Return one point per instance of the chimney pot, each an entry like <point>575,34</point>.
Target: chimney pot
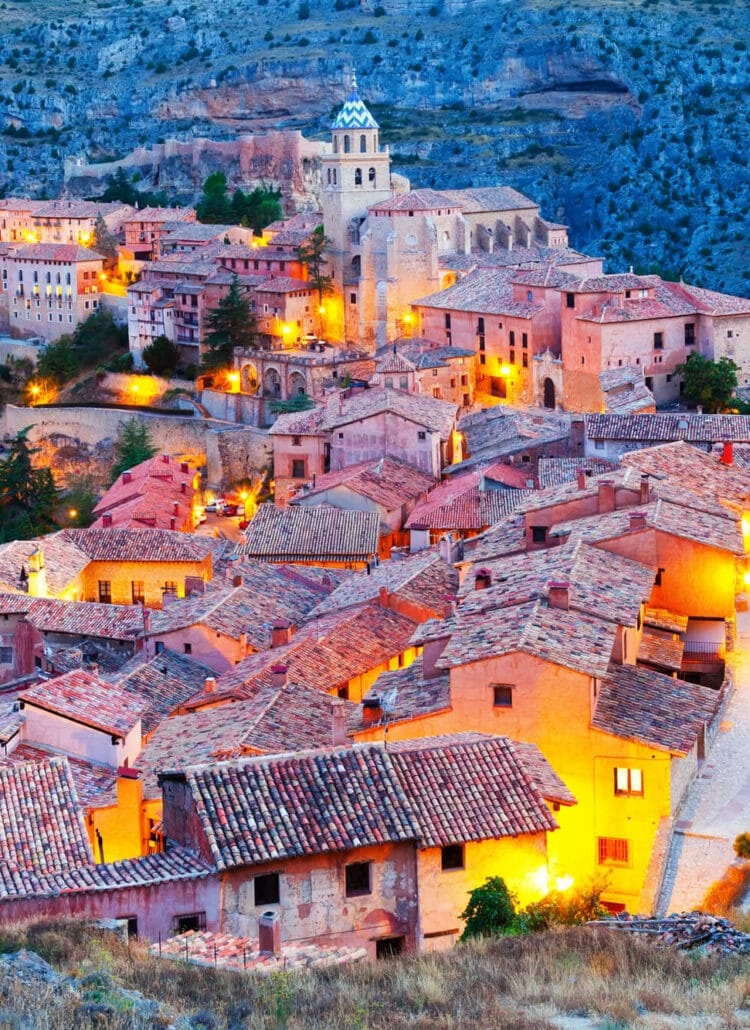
<point>637,519</point>
<point>183,487</point>
<point>269,934</point>
<point>165,458</point>
<point>278,675</point>
<point>581,477</point>
<point>645,490</point>
<point>558,595</point>
<point>184,466</point>
<point>338,723</point>
<point>606,496</point>
<point>209,685</point>
<point>372,711</point>
<point>127,476</point>
<point>172,522</point>
<point>727,454</point>
<point>175,506</point>
<point>146,620</point>
<point>237,580</point>
<point>383,597</point>
<point>107,520</point>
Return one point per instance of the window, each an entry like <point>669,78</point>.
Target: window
<point>389,382</point>
<point>447,320</point>
<point>480,326</point>
<point>358,879</point>
<point>502,695</point>
<point>189,921</point>
<point>525,360</point>
<point>629,783</point>
<point>137,591</point>
<point>689,334</point>
<point>187,648</point>
<point>452,857</point>
<point>524,339</point>
<point>132,922</point>
<point>363,144</point>
<point>538,534</point>
<point>613,851</point>
<point>170,587</point>
<point>6,655</point>
<point>267,889</point>
<point>512,338</point>
<point>296,441</point>
<point>659,577</point>
<point>403,383</point>
<point>658,341</point>
<point>482,359</point>
<point>529,295</point>
<point>298,468</point>
<point>570,300</point>
<point>352,298</point>
<point>105,591</point>
<point>389,947</point>
<point>371,176</point>
<point>512,357</point>
<point>159,646</point>
<point>357,176</point>
<point>422,435</point>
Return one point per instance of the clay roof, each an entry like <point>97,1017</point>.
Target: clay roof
<point>659,711</point>
<point>485,290</point>
<point>489,198</point>
<point>662,618</point>
<point>572,639</point>
<point>417,200</point>
<point>435,415</point>
<point>61,207</point>
<point>668,427</point>
<point>318,533</point>
<point>86,618</point>
<point>459,504</point>
<point>544,777</point>
<point>138,545</point>
<point>95,784</point>
<point>162,214</point>
<point>271,719</point>
<point>662,649</point>
<point>423,578</point>
<point>405,694</point>
<point>63,561</point>
<point>388,483</point>
<point>436,791</point>
<point>600,583</point>
<point>163,684</point>
<point>82,697</point>
<point>41,825</point>
<point>469,787</point>
<point>505,537</point>
<point>395,363</point>
<point>679,465</point>
<point>162,473</point>
<point>67,252</point>
<point>299,423</point>
<point>556,471</point>
<point>284,284</point>
<point>325,653</point>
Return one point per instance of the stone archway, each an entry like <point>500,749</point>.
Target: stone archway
<point>297,384</point>
<point>549,394</point>
<point>272,383</point>
<point>249,379</point>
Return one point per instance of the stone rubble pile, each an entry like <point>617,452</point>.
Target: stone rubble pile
<point>686,931</point>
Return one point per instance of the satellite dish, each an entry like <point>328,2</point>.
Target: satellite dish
<point>388,701</point>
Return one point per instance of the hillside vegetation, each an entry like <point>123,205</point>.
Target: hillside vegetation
<point>629,120</point>
<point>575,978</point>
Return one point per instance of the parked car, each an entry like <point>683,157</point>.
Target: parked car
<point>215,507</point>
<point>229,509</point>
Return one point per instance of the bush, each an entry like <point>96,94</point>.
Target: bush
<point>742,845</point>
<point>161,356</point>
<point>491,910</point>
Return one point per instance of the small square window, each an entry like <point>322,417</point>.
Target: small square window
<point>452,857</point>
<point>629,783</point>
<point>422,435</point>
<point>538,534</point>
<point>502,695</point>
<point>159,646</point>
<point>267,889</point>
<point>358,879</point>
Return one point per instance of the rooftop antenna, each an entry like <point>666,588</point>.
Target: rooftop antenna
<point>388,704</point>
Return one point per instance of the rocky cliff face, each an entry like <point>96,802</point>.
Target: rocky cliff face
<point>629,122</point>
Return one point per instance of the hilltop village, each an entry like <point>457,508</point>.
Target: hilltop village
<point>490,621</point>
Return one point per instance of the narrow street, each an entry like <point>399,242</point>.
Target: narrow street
<point>717,804</point>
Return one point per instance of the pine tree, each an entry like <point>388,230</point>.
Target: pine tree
<point>215,207</point>
<point>311,254</point>
<point>231,325</point>
<point>28,495</point>
<point>133,446</point>
<point>104,242</point>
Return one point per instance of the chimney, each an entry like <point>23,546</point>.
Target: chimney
<point>281,633</point>
<point>698,409</point>
<point>184,466</point>
<point>146,620</point>
<point>581,478</point>
<point>278,675</point>
<point>168,597</point>
<point>175,506</point>
<point>637,520</point>
<point>129,796</point>
<point>183,487</point>
<point>558,595</point>
<point>165,458</point>
<point>127,476</point>
<point>209,685</point>
<point>606,497</point>
<point>372,711</point>
<point>727,454</point>
<point>430,654</point>
<point>645,490</point>
<point>383,597</point>
<point>194,585</point>
<point>338,723</point>
<point>269,934</point>
<point>237,580</point>
<point>172,522</point>
<point>107,520</point>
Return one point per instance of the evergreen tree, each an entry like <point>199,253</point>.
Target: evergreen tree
<point>311,254</point>
<point>231,325</point>
<point>161,356</point>
<point>104,242</point>
<point>215,207</point>
<point>27,495</point>
<point>133,446</point>
<point>257,209</point>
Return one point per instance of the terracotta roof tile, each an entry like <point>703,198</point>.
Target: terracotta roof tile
<point>83,698</point>
<point>661,649</point>
<point>389,483</point>
<point>484,290</point>
<point>556,471</point>
<point>95,784</point>
<point>138,545</point>
<point>667,427</point>
<point>163,684</point>
<point>67,252</point>
<point>86,618</point>
<point>319,533</point>
<point>405,694</point>
<point>435,415</point>
<point>657,710</point>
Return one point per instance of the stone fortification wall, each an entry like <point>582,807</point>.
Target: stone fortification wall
<point>234,453</point>
<point>284,160</point>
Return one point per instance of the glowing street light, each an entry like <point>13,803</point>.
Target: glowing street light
<point>505,370</point>
<point>72,513</point>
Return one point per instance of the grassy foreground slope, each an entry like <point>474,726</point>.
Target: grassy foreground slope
<point>574,978</point>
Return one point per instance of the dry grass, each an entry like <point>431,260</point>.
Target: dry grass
<point>516,983</point>
<point>725,897</point>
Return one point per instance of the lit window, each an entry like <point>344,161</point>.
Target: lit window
<point>629,783</point>
<point>613,851</point>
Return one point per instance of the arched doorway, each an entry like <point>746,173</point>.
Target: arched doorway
<point>249,379</point>
<point>549,394</point>
<point>272,383</point>
<point>296,384</point>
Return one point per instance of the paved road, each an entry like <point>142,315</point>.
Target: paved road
<point>717,804</point>
<point>221,525</point>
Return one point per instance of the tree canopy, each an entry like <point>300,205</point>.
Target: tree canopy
<point>120,187</point>
<point>27,495</point>
<point>97,340</point>
<point>133,446</point>
<point>312,254</point>
<point>104,242</point>
<point>708,382</point>
<point>231,324</point>
<point>255,210</point>
<point>161,356</point>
